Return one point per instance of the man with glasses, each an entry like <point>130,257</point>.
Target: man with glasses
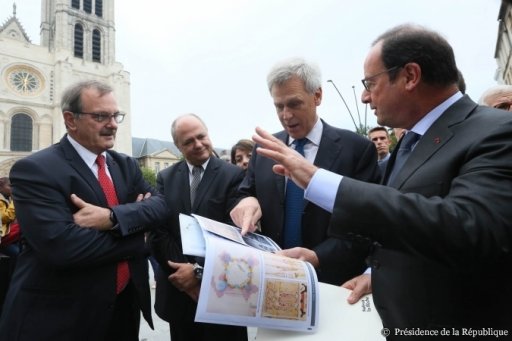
<point>442,227</point>
<point>499,97</point>
<point>82,273</point>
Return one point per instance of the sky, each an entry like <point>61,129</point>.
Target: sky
<point>212,57</point>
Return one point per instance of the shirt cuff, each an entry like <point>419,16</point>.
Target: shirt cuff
<point>322,189</point>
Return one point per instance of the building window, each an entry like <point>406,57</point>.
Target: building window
<point>96,46</point>
<point>79,41</point>
<point>88,6</point>
<point>75,4</point>
<point>157,167</point>
<point>21,133</point>
<point>166,164</point>
<point>98,8</point>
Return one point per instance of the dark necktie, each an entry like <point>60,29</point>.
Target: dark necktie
<point>123,271</point>
<point>403,152</point>
<point>196,179</point>
<point>294,205</point>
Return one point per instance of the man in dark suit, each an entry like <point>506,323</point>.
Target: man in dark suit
<point>295,87</point>
<point>443,225</point>
<point>179,281</point>
<point>82,273</point>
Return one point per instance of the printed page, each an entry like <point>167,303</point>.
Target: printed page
<point>247,287</point>
<point>339,319</point>
<point>233,233</point>
<point>192,239</point>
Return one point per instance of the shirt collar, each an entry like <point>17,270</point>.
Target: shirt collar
<point>191,166</point>
<point>426,122</point>
<point>86,155</point>
<point>314,136</point>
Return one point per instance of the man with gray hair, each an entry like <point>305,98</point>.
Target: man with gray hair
<point>498,96</point>
<point>82,273</point>
<point>297,225</point>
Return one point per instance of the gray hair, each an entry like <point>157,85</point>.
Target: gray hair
<point>309,73</point>
<point>175,122</point>
<point>72,96</point>
<point>497,90</point>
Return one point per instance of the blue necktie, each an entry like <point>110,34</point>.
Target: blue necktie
<point>403,152</point>
<point>294,206</point>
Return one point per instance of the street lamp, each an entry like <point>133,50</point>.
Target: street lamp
<point>349,112</point>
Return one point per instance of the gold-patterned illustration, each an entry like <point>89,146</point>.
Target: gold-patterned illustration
<point>285,299</point>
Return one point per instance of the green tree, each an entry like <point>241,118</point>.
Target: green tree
<point>149,175</point>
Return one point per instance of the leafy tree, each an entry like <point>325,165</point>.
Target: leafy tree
<point>149,175</point>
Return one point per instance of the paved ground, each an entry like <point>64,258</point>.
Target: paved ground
<point>161,332</point>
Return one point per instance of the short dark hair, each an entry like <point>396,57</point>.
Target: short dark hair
<point>377,128</point>
<point>245,145</point>
<point>416,44</point>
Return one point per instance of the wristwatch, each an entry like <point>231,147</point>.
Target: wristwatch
<point>198,271</point>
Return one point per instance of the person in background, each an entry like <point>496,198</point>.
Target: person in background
<point>82,210</point>
<point>300,226</point>
<point>7,212</point>
<point>441,257</point>
<point>499,97</point>
<point>241,153</point>
<point>203,185</point>
<point>380,137</point>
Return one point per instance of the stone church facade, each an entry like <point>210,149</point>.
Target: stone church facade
<point>77,42</point>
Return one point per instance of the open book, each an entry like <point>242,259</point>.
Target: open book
<point>244,283</point>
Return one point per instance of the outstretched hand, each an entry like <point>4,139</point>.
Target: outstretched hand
<point>246,214</point>
<point>289,162</point>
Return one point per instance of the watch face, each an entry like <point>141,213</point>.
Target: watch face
<point>24,80</point>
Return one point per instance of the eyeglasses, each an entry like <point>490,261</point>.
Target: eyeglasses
<point>504,106</point>
<point>103,116</point>
<point>368,84</point>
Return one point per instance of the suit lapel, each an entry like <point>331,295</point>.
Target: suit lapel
<point>434,139</point>
<point>78,164</point>
<point>117,179</point>
<point>210,173</point>
<point>329,148</point>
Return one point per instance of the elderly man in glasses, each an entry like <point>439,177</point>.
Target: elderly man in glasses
<point>82,274</point>
<point>499,97</point>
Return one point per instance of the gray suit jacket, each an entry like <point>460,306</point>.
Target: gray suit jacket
<point>444,234</point>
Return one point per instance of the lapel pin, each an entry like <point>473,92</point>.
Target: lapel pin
<point>437,140</point>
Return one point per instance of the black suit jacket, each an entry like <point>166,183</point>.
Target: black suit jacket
<point>63,287</point>
<point>215,197</point>
<point>443,257</point>
<point>340,151</point>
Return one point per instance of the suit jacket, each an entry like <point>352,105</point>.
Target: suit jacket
<point>215,197</point>
<point>445,232</point>
<point>63,287</point>
<point>340,151</point>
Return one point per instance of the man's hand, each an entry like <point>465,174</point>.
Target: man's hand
<point>360,286</point>
<point>290,163</point>
<point>183,278</point>
<point>302,254</point>
<point>91,216</point>
<point>246,214</point>
<point>96,217</point>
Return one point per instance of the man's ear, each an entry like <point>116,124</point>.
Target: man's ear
<point>413,75</point>
<point>69,120</point>
<point>318,96</point>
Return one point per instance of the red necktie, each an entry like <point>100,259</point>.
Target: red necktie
<point>123,272</point>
